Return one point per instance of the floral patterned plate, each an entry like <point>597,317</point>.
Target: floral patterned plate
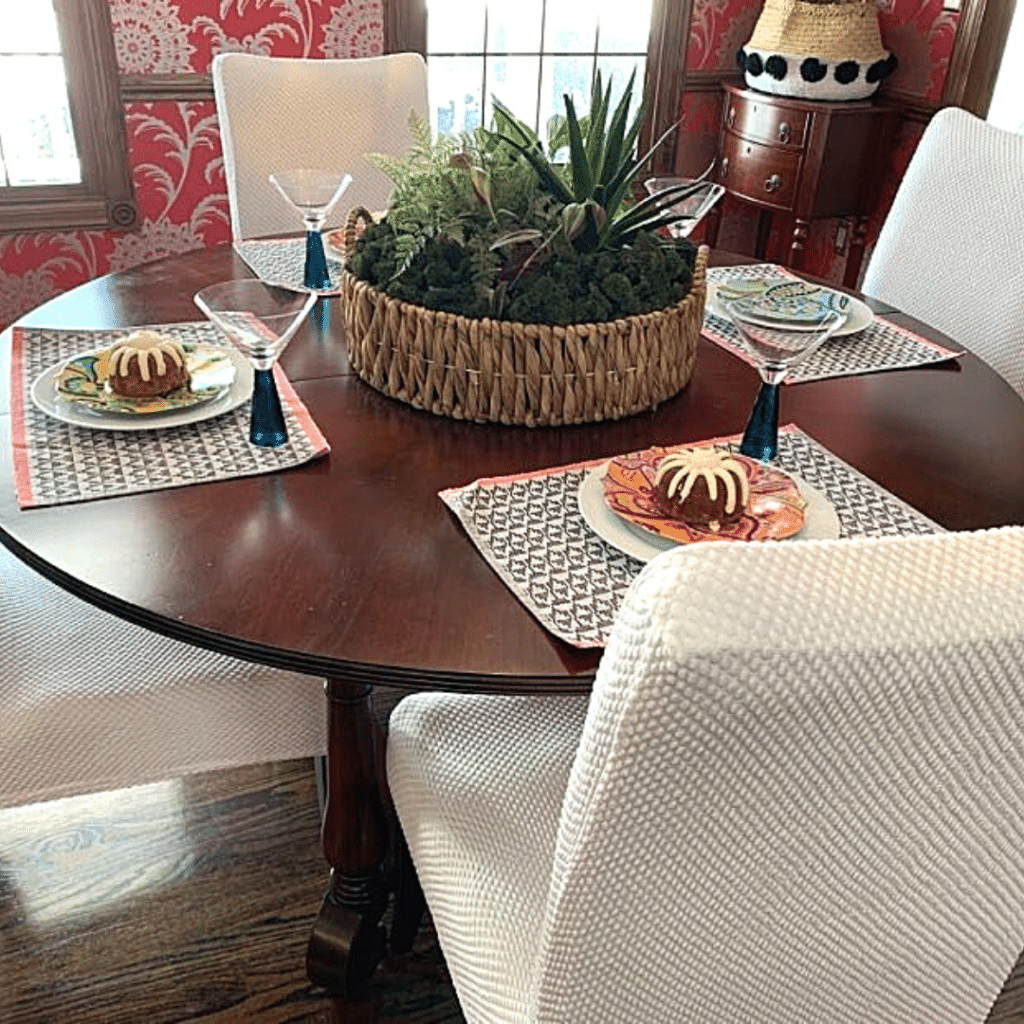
<point>776,509</point>
<point>83,382</point>
<point>820,519</point>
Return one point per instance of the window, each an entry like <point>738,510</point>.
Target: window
<point>528,52</point>
<point>63,156</point>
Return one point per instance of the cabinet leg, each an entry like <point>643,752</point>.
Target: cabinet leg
<point>714,223</point>
<point>348,940</point>
<point>851,276</point>
<point>796,249</point>
<point>764,233</point>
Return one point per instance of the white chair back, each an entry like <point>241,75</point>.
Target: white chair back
<point>796,795</point>
<point>278,113</point>
<point>90,702</point>
<point>951,250</point>
<point>799,790</point>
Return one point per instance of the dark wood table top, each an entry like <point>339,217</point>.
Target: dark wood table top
<point>351,566</point>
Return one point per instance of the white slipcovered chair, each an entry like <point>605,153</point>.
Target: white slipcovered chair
<point>277,113</point>
<point>89,702</point>
<point>796,795</point>
<point>950,249</point>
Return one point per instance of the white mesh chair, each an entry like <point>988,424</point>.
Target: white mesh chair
<point>89,702</point>
<point>796,796</point>
<point>950,249</point>
<point>276,113</point>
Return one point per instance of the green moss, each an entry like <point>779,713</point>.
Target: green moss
<point>561,286</point>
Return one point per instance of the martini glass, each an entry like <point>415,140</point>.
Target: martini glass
<point>775,345</point>
<point>693,207</point>
<point>259,320</point>
<point>313,193</point>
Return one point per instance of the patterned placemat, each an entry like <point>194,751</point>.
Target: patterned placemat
<point>530,530</point>
<point>880,346</point>
<point>56,463</point>
<point>282,262</point>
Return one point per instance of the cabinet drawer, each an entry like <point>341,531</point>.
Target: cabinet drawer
<point>764,174</point>
<point>765,122</point>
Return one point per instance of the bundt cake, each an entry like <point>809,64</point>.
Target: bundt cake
<point>147,364</point>
<point>701,487</point>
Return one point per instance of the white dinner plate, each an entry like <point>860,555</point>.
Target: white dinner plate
<point>858,317</point>
<point>820,519</point>
<point>45,397</point>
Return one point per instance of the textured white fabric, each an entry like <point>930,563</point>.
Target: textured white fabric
<point>797,796</point>
<point>278,113</point>
<point>89,702</point>
<point>951,250</point>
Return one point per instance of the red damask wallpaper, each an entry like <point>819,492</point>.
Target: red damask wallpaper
<point>175,147</point>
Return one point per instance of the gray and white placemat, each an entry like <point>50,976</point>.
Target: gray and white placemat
<point>56,463</point>
<point>530,530</point>
<point>282,262</point>
<point>880,346</point>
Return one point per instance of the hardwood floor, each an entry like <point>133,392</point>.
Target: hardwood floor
<point>189,900</point>
<point>192,900</point>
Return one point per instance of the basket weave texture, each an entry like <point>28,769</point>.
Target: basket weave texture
<point>828,31</point>
<point>499,371</point>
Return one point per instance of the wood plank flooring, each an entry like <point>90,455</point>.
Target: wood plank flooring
<point>190,900</point>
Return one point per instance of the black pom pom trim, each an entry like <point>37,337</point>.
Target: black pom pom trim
<point>847,72</point>
<point>776,67</point>
<point>812,70</point>
<point>741,58</point>
<point>754,64</point>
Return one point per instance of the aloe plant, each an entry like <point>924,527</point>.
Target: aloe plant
<point>597,182</point>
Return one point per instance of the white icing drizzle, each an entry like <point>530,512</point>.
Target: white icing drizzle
<point>690,464</point>
<point>146,345</point>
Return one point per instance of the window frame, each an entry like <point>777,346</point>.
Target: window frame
<point>405,29</point>
<point>105,197</point>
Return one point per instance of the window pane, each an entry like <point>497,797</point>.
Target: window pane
<point>624,28</point>
<point>29,26</point>
<point>619,69</point>
<point>514,27</point>
<point>570,27</point>
<point>38,143</point>
<point>563,75</point>
<point>454,86</point>
<point>514,80</point>
<point>455,26</point>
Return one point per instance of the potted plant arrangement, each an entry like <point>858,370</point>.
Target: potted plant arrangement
<point>504,286</point>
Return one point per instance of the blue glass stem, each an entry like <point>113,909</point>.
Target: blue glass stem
<point>761,438</point>
<point>316,262</point>
<point>267,428</point>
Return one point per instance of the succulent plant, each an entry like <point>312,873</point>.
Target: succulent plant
<point>488,224</point>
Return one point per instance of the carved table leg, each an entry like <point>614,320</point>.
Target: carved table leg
<point>348,940</point>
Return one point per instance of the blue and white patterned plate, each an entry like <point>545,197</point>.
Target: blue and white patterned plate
<point>797,302</point>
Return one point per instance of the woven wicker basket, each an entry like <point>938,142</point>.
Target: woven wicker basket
<point>535,375</point>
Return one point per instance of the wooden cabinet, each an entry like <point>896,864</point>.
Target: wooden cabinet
<point>806,159</point>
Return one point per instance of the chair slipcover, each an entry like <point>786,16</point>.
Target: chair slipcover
<point>278,113</point>
<point>796,795</point>
<point>90,702</point>
<point>950,249</point>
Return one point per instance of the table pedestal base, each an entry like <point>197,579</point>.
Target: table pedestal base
<point>348,940</point>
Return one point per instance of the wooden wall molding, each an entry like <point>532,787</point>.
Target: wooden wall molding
<point>191,88</point>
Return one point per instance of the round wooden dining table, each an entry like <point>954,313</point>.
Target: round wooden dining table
<point>352,569</point>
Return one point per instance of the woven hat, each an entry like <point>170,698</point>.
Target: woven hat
<point>817,49</point>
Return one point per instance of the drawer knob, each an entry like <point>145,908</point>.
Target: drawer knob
<point>725,167</point>
<point>773,184</point>
<point>784,132</point>
<point>731,119</point>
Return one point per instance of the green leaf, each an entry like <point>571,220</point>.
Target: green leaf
<point>613,153</point>
<point>582,176</point>
<point>599,101</point>
<point>549,180</point>
<point>508,124</point>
